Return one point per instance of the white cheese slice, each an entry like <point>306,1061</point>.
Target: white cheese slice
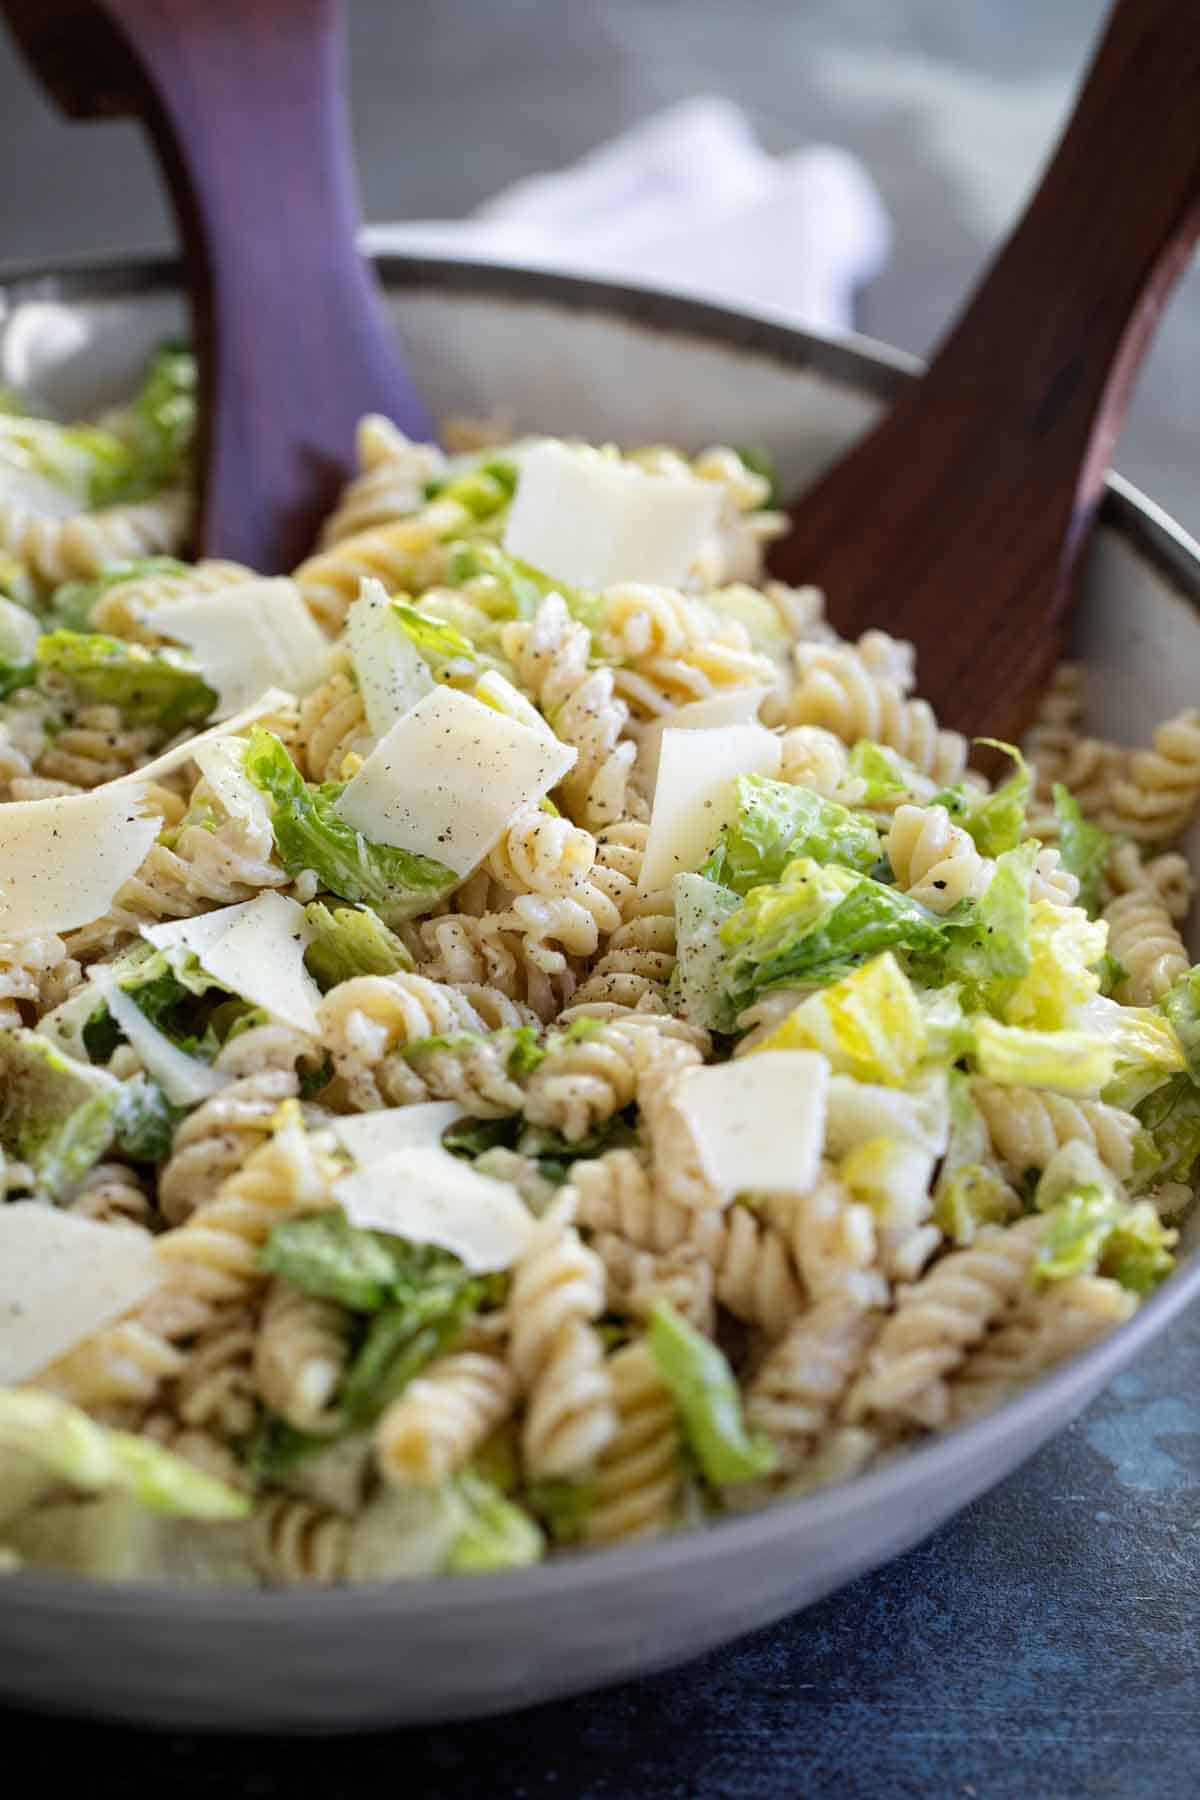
<point>430,1197</point>
<point>220,761</point>
<point>448,777</point>
<point>183,1079</point>
<point>696,795</point>
<point>61,1279</point>
<point>736,706</point>
<point>62,860</point>
<point>590,521</point>
<point>757,1124</point>
<point>391,672</point>
<point>256,950</point>
<point>371,1136</point>
<point>19,632</point>
<point>255,635</point>
<point>272,701</point>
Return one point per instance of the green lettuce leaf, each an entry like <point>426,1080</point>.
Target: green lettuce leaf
<point>349,941</point>
<point>885,773</point>
<point>1181,1005</point>
<point>440,644</point>
<point>56,1114</point>
<point>969,1193</point>
<point>708,1400</point>
<point>701,908</point>
<point>72,603</point>
<point>1069,1062</point>
<point>987,942</point>
<point>1093,1231</point>
<point>326,1255</point>
<point>14,675</point>
<point>869,1024</point>
<point>309,834</point>
<point>563,1505</point>
<point>90,464</point>
<point>163,418</point>
<point>484,484</point>
<point>144,1120</point>
<point>507,588</point>
<point>150,687</point>
<point>400,1341</point>
<point>761,462</point>
<point>1064,947</point>
<point>1170,1117</point>
<point>497,1535</point>
<point>775,823</point>
<point>813,924</point>
<point>996,821</point>
<point>67,1448</point>
<point>1084,848</point>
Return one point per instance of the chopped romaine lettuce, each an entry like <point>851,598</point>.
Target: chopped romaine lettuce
<point>969,1193</point>
<point>163,418</point>
<point>326,1255</point>
<point>1093,1229</point>
<point>1182,1008</point>
<point>14,675</point>
<point>708,1400</point>
<point>813,924</point>
<point>509,589</point>
<point>400,1341</point>
<point>996,821</point>
<point>56,1114</point>
<point>562,1505</point>
<point>885,773</point>
<point>987,944</point>
<point>1070,1062</point>
<point>440,644</point>
<point>497,1534</point>
<point>761,462</point>
<point>947,1028</point>
<point>1170,1117</point>
<point>1064,948</point>
<point>701,908</point>
<point>310,834</point>
<point>1084,848</point>
<point>90,465</point>
<point>775,823</point>
<point>144,1120</point>
<point>68,1448</point>
<point>348,941</point>
<point>113,1538</point>
<point>149,687</point>
<point>72,603</point>
<point>869,1024</point>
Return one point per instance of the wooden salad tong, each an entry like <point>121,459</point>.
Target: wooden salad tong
<point>958,522</point>
<point>244,104</point>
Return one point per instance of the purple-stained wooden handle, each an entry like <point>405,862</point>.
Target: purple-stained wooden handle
<point>958,522</point>
<point>244,102</point>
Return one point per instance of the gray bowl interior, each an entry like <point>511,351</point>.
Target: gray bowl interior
<point>585,358</point>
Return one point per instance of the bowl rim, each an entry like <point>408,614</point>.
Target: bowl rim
<point>863,364</point>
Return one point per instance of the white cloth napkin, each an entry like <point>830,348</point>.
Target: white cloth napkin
<point>689,200</point>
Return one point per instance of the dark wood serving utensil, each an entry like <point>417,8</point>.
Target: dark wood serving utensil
<point>959,520</point>
<point>243,101</point>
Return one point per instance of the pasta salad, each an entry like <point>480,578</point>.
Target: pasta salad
<point>517,1038</point>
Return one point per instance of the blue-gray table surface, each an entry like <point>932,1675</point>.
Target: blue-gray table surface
<point>1043,1644</point>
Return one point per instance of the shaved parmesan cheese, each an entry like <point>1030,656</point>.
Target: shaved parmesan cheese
<point>184,1080</point>
<point>273,701</point>
<point>392,675</point>
<point>590,521</point>
<point>696,794</point>
<point>61,1279</point>
<point>757,1124</point>
<point>19,632</point>
<point>371,1136</point>
<point>220,761</point>
<point>255,950</point>
<point>255,635</point>
<point>737,706</point>
<point>430,1197</point>
<point>62,860</point>
<point>448,777</point>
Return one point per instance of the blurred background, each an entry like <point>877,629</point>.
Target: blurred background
<point>950,105</point>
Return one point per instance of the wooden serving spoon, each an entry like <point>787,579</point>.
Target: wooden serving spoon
<point>243,100</point>
<point>959,520</point>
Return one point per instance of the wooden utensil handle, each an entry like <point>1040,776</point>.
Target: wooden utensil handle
<point>1056,333</point>
<point>244,102</point>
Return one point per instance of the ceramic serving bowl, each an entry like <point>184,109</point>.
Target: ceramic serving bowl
<point>575,357</point>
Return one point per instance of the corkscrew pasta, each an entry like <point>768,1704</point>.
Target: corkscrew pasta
<point>580,1054</point>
